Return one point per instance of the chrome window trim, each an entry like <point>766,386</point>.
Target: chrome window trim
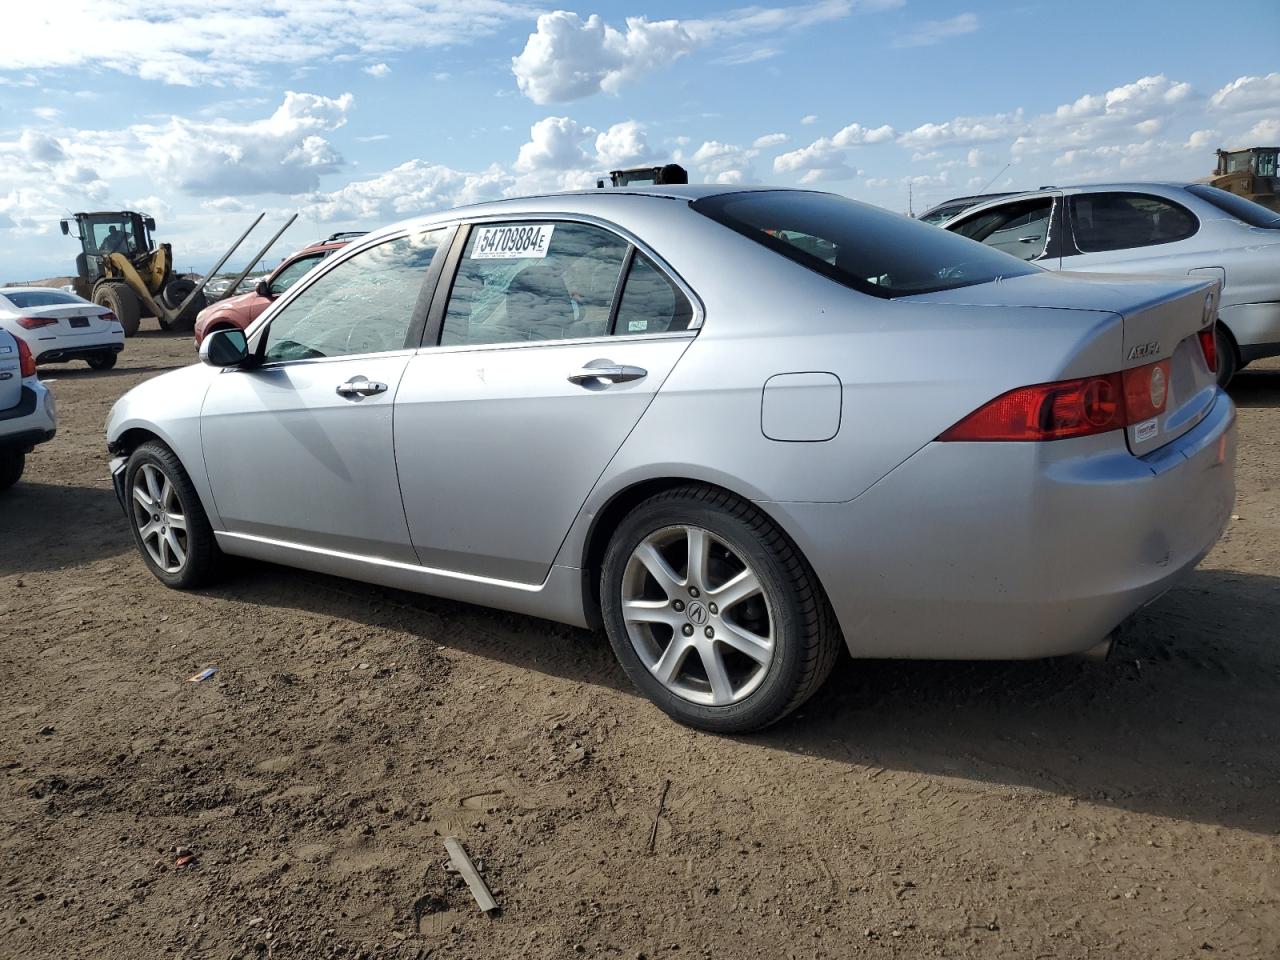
<point>566,342</point>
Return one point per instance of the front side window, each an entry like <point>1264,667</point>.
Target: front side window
<point>363,305</point>
<point>1122,221</point>
<point>1020,229</point>
<point>864,247</point>
<point>530,281</point>
<point>292,273</point>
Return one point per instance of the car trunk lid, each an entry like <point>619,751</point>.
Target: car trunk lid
<point>1161,319</point>
<point>69,319</point>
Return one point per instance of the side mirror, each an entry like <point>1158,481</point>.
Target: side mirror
<point>150,223</point>
<point>66,228</point>
<point>263,289</point>
<point>224,348</point>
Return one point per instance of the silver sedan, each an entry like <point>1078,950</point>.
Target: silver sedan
<point>739,429</point>
<point>1179,229</point>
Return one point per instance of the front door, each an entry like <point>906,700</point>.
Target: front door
<point>503,428</point>
<point>299,450</point>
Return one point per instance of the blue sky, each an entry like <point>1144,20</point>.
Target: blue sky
<point>359,113</point>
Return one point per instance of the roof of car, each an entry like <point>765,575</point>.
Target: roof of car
<point>19,289</point>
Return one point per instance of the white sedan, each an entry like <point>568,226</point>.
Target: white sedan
<point>58,326</point>
<point>1179,229</point>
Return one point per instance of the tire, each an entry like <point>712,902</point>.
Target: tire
<point>196,560</point>
<point>1228,356</point>
<point>172,296</point>
<point>121,301</point>
<point>12,463</point>
<point>103,361</point>
<point>789,605</point>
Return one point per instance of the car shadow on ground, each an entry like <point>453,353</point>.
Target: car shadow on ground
<point>84,372</point>
<point>1166,727</point>
<point>35,535</point>
<point>1256,388</point>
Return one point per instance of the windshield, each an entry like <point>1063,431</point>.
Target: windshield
<point>1254,214</point>
<point>861,246</point>
<point>26,299</point>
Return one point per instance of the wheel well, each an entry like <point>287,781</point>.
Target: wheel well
<point>612,514</point>
<point>131,440</point>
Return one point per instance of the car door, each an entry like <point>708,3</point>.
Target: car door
<point>540,358</point>
<point>1127,231</point>
<point>299,450</point>
<point>1029,228</point>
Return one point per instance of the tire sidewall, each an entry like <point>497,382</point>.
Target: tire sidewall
<point>169,466</point>
<point>770,699</point>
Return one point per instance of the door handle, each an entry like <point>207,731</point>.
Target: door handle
<point>608,372</point>
<point>1028,239</point>
<point>358,387</point>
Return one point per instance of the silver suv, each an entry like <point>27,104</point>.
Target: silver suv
<point>27,412</point>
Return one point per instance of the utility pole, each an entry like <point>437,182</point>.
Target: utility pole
<point>911,212</point>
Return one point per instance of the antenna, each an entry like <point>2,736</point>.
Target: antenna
<point>996,177</point>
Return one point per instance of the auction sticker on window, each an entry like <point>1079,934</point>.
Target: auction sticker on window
<point>512,243</point>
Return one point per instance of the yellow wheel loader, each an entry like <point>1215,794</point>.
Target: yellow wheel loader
<point>120,267</point>
<point>1251,173</point>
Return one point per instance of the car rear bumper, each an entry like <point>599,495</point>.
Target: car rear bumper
<point>61,354</point>
<point>1012,551</point>
<point>1255,326</point>
<point>32,421</point>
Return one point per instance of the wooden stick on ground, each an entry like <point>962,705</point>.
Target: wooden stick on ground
<point>653,834</point>
<point>462,863</point>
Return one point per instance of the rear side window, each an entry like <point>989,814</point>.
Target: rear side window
<point>650,302</point>
<point>1254,214</point>
<point>1122,221</point>
<point>521,282</point>
<point>858,245</point>
<point>25,299</point>
<point>1019,229</point>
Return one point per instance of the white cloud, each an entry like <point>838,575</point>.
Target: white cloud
<point>568,58</point>
<point>746,53</point>
<point>410,188</point>
<point>378,70</point>
<point>622,145</point>
<point>1201,139</point>
<point>1264,132</point>
<point>555,143</point>
<point>827,158</point>
<point>929,32</point>
<point>284,153</point>
<point>770,140</point>
<point>1248,94</point>
<point>962,131</point>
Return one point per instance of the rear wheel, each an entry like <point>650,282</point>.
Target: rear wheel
<point>713,613</point>
<point>1228,358</point>
<point>170,527</point>
<point>103,361</point>
<point>12,463</point>
<point>121,301</point>
<point>174,294</point>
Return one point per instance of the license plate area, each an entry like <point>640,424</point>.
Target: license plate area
<point>79,321</point>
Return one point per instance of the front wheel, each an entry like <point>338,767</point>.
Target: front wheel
<point>169,524</point>
<point>12,463</point>
<point>713,613</point>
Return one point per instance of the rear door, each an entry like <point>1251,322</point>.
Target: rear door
<point>549,346</point>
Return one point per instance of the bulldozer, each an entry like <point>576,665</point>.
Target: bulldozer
<point>1250,173</point>
<point>120,267</point>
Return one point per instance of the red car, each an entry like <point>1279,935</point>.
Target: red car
<point>239,311</point>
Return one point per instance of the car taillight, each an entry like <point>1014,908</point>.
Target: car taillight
<point>1068,408</point>
<point>35,323</point>
<point>25,360</point>
<point>108,316</point>
<point>1209,344</point>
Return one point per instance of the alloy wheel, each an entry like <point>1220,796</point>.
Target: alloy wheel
<point>158,515</point>
<point>698,615</point>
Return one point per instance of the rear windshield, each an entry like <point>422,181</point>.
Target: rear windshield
<point>861,246</point>
<point>1254,214</point>
<point>24,299</point>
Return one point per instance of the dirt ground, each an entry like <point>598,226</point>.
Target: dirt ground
<point>1051,809</point>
